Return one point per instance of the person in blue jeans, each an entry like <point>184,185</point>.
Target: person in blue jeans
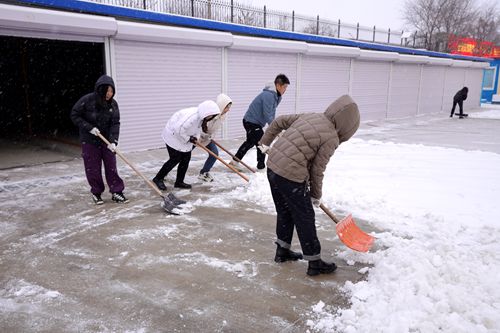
<point>224,103</point>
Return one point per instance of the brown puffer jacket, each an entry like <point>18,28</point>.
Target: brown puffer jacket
<point>309,140</point>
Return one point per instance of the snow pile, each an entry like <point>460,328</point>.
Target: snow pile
<point>437,257</point>
<point>438,209</point>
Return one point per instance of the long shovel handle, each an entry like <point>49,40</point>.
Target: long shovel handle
<point>118,152</point>
<point>222,161</point>
<point>329,213</point>
<point>234,157</point>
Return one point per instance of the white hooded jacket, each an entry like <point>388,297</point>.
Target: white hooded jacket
<point>215,124</point>
<point>186,123</point>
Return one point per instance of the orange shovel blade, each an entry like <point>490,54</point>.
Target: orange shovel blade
<point>352,236</point>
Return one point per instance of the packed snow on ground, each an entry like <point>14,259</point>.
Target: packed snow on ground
<point>436,261</point>
<point>490,111</point>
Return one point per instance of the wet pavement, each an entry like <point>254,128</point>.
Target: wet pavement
<point>67,265</point>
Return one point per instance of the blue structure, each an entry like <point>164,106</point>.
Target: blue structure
<point>192,22</point>
<point>491,89</point>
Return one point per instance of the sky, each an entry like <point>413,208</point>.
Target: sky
<point>382,13</point>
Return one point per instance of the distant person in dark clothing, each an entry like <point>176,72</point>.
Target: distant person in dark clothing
<point>98,113</point>
<point>459,99</point>
<point>261,111</point>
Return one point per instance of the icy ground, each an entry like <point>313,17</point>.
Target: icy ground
<point>66,265</point>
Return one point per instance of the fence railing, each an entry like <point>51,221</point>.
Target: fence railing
<point>235,12</point>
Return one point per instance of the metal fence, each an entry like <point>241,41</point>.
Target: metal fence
<point>235,12</point>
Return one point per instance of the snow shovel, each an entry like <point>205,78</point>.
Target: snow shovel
<point>222,161</point>
<point>349,233</point>
<point>169,202</point>
<point>234,157</point>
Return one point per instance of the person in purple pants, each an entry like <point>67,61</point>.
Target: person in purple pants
<point>98,113</point>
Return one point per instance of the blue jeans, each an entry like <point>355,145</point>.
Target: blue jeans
<point>209,163</point>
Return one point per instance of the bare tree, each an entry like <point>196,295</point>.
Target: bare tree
<point>440,20</point>
<point>325,29</point>
<point>486,29</point>
<point>425,17</point>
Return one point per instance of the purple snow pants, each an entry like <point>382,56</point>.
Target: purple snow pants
<point>93,158</point>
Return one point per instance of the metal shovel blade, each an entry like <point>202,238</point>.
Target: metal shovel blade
<point>168,206</point>
<point>175,200</point>
<point>352,236</point>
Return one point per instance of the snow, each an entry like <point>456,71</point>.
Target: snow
<point>436,262</point>
<point>435,215</point>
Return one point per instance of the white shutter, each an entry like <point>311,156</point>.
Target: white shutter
<point>405,83</point>
<point>454,81</point>
<point>370,88</point>
<point>155,80</point>
<point>248,72</point>
<point>323,80</point>
<point>32,22</point>
<point>431,89</point>
<point>473,81</point>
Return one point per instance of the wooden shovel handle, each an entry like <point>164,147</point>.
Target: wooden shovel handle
<point>234,157</point>
<point>118,152</point>
<point>222,161</point>
<point>329,213</point>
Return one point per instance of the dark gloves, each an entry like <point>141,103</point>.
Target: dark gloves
<point>193,139</point>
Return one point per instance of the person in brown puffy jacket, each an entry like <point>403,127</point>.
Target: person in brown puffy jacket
<point>295,169</point>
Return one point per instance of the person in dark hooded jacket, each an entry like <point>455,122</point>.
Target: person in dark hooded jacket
<point>459,99</point>
<point>97,113</point>
<point>295,170</point>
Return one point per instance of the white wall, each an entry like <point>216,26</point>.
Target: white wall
<point>404,89</point>
<point>431,89</point>
<point>370,86</point>
<point>161,69</point>
<point>248,72</point>
<point>322,80</point>
<point>155,80</point>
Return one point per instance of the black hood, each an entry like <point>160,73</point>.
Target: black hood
<point>104,80</point>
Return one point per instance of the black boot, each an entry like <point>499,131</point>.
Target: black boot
<point>283,254</point>
<point>160,184</point>
<point>317,267</point>
<point>182,185</point>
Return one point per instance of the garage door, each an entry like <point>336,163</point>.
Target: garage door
<point>155,80</point>
<point>370,88</point>
<point>473,81</point>
<point>404,90</point>
<point>431,91</point>
<point>248,72</point>
<point>454,81</point>
<point>323,79</point>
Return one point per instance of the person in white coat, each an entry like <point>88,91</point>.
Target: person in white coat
<point>180,134</point>
<point>224,103</point>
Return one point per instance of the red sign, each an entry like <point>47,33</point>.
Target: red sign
<point>473,47</point>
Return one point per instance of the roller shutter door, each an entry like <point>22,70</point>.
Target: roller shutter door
<point>454,81</point>
<point>248,72</point>
<point>431,90</point>
<point>323,79</point>
<point>405,83</point>
<point>370,88</point>
<point>473,81</point>
<point>155,80</point>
